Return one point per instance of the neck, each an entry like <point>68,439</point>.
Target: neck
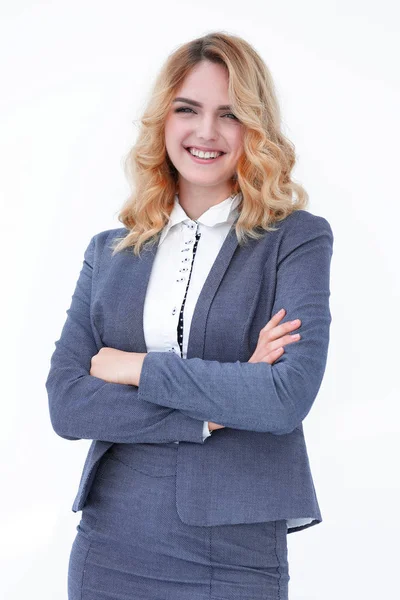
<point>196,200</point>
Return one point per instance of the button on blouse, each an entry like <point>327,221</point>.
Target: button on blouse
<point>185,254</point>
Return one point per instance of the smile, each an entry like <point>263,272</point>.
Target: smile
<point>199,156</point>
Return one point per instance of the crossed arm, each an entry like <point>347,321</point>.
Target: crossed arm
<point>261,397</point>
<point>118,366</point>
<point>83,406</point>
<point>175,396</point>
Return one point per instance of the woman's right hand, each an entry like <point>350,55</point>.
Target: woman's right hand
<point>270,344</point>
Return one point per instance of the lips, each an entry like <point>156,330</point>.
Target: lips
<point>204,161</point>
<point>204,149</point>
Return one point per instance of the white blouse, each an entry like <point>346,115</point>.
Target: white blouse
<point>178,261</point>
<point>186,252</point>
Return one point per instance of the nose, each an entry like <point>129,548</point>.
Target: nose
<point>207,128</point>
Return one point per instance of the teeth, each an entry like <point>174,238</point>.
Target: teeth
<point>202,154</point>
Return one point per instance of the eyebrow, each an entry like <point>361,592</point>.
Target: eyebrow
<point>195,103</point>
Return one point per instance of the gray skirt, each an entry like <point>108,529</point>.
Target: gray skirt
<point>131,544</point>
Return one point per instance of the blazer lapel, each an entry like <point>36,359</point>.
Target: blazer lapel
<point>139,274</point>
<point>198,327</point>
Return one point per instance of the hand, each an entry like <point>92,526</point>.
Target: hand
<point>117,366</point>
<point>270,344</point>
<point>212,426</point>
<point>273,337</point>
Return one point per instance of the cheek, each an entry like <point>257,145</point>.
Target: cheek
<point>175,132</point>
<point>236,142</point>
<point>169,133</point>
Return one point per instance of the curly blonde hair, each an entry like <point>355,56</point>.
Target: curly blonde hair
<point>263,172</point>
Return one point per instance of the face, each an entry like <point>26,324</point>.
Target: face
<point>198,121</point>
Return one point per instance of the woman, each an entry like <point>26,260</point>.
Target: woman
<point>195,346</point>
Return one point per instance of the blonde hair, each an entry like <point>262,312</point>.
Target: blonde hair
<point>263,172</point>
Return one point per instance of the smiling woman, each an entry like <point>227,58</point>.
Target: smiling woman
<point>179,363</point>
<point>192,133</point>
<point>214,93</point>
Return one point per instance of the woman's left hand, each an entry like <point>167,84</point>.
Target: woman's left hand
<point>117,366</point>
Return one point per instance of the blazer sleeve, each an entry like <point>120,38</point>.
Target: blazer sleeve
<point>86,407</point>
<point>259,396</point>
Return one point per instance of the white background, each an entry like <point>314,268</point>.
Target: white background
<point>74,78</point>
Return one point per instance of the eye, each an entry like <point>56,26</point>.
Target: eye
<point>183,109</point>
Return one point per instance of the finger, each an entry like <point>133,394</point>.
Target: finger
<point>274,320</point>
<point>279,331</point>
<point>273,355</point>
<point>289,326</point>
<point>283,341</point>
<point>276,351</point>
<point>269,358</point>
<point>286,339</point>
<point>273,346</point>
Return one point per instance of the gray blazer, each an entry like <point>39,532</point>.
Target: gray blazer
<point>256,468</point>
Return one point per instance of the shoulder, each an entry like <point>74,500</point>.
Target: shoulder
<point>104,237</point>
<point>99,242</point>
<point>302,223</point>
<point>302,227</point>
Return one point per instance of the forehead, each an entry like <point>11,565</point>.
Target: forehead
<point>207,83</point>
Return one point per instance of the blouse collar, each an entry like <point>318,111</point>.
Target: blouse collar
<point>223,212</point>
